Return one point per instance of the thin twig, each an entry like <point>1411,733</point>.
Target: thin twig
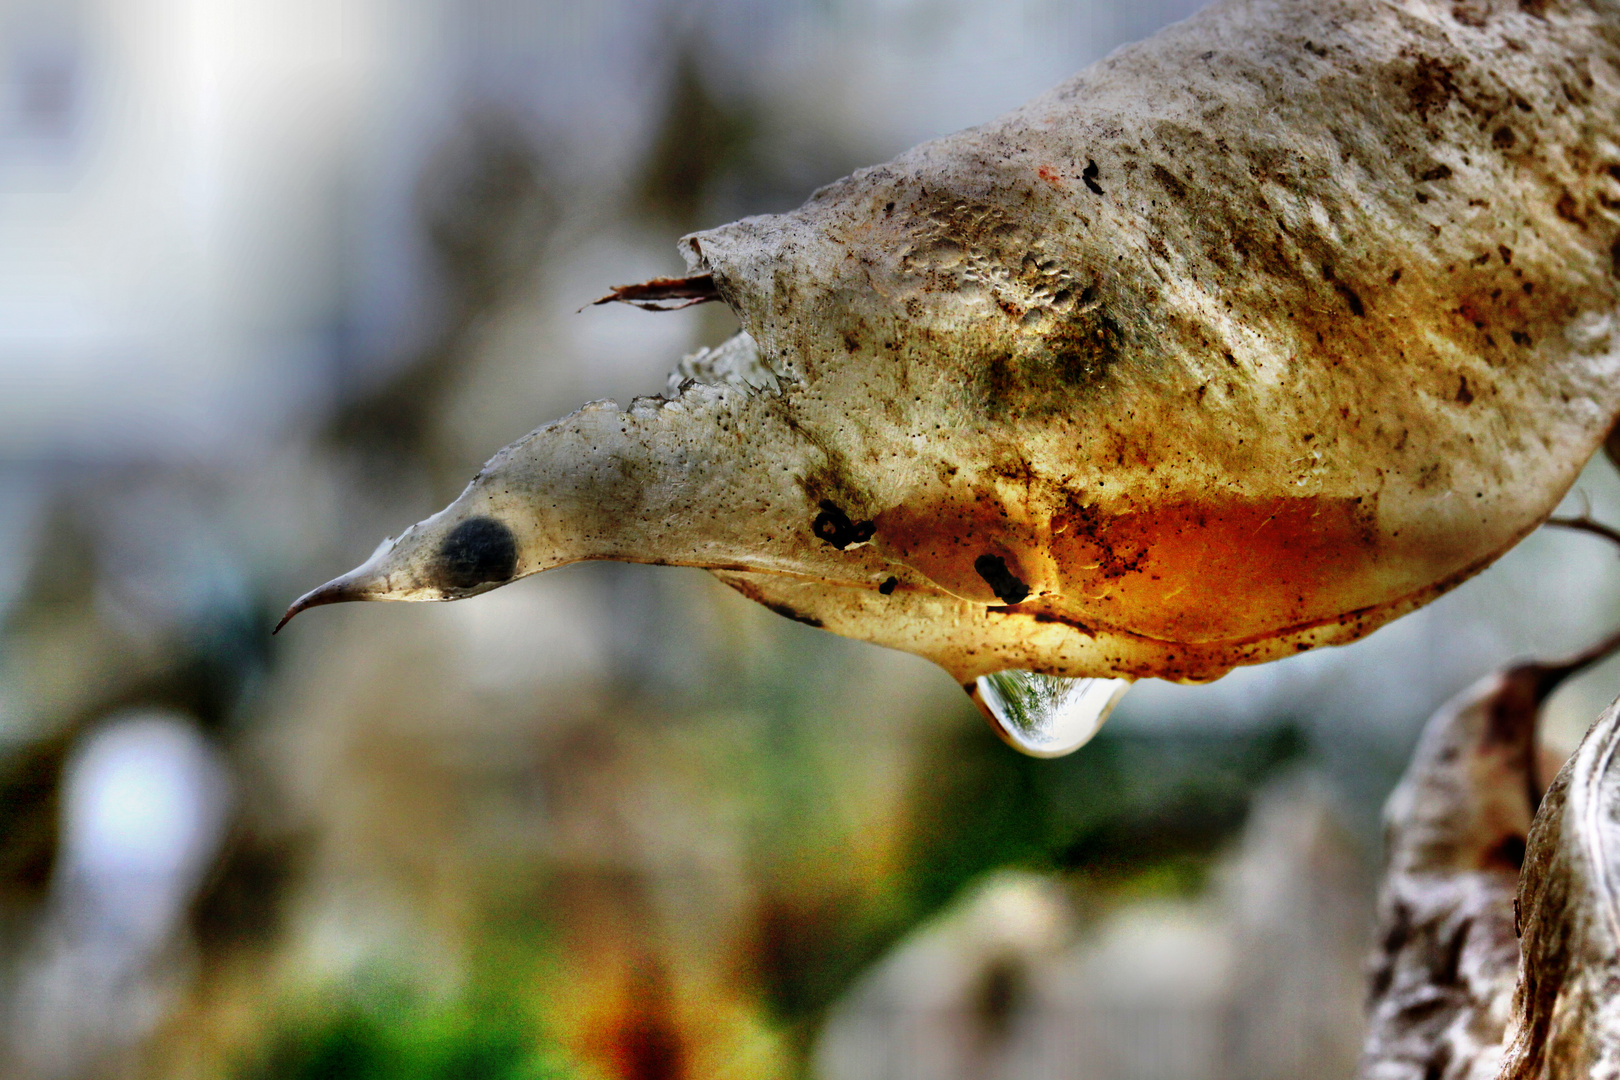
<point>1600,651</point>
<point>1554,673</point>
<point>1587,525</point>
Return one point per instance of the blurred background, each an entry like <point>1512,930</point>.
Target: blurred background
<point>276,277</point>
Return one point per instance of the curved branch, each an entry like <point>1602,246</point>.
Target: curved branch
<point>1586,524</point>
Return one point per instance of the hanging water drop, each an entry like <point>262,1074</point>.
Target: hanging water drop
<point>1046,716</point>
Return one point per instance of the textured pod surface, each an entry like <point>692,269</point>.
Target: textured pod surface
<point>1445,956</point>
<point>1567,1008</point>
<point>1245,340</point>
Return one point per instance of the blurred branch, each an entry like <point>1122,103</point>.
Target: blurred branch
<point>1587,525</point>
<point>486,205</point>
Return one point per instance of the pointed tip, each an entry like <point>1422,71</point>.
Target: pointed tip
<point>336,591</point>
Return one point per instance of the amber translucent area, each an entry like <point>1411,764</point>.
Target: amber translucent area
<point>1204,571</point>
<point>1185,570</point>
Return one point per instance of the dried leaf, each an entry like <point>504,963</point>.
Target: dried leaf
<point>663,294</point>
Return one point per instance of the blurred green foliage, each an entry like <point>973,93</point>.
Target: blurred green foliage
<point>385,1035</point>
<point>1130,814</point>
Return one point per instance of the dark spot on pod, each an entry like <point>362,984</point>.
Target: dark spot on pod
<point>1440,1058</point>
<point>1400,929</point>
<point>888,585</point>
<point>1382,977</point>
<point>1450,964</point>
<point>1002,581</point>
<point>1439,172</point>
<point>1509,853</point>
<point>835,527</point>
<point>1433,86</point>
<point>1568,209</point>
<point>1170,183</point>
<point>797,616</point>
<point>478,551</point>
<point>1465,396</point>
<point>1089,175</point>
<point>1503,137</point>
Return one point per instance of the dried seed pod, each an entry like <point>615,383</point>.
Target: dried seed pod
<point>1457,826</point>
<point>1566,1011</point>
<point>1445,957</point>
<point>1243,341</point>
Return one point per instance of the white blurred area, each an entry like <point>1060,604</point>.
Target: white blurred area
<point>144,807</point>
<point>205,204</point>
<point>171,181</point>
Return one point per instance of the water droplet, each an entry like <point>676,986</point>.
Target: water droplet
<point>1047,715</point>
